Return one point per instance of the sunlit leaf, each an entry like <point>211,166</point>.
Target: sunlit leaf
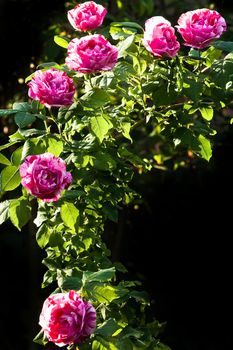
<point>43,235</point>
<point>61,41</point>
<point>4,211</point>
<point>100,127</point>
<point>206,151</point>
<point>4,160</point>
<point>99,276</point>
<point>9,178</point>
<point>207,112</point>
<point>69,215</point>
<point>55,146</point>
<point>19,212</point>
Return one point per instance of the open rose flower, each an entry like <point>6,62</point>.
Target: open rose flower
<point>200,27</point>
<point>159,37</point>
<point>52,88</point>
<point>87,16</point>
<point>91,53</point>
<point>45,176</point>
<point>66,319</point>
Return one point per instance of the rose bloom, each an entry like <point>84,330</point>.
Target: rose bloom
<point>66,319</point>
<point>87,16</point>
<point>52,88</point>
<point>159,37</point>
<point>45,176</point>
<point>200,27</point>
<point>91,53</point>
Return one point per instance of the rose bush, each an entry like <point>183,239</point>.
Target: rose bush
<point>200,27</point>
<point>159,37</point>
<point>45,176</point>
<point>52,88</point>
<point>87,16</point>
<point>91,53</point>
<point>135,112</point>
<point>66,319</point>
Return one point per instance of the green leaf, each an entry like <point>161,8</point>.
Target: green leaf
<point>23,119</point>
<point>4,211</point>
<point>194,53</point>
<point>104,80</point>
<point>69,215</point>
<point>125,126</point>
<point>99,276</point>
<point>70,282</point>
<point>56,239</point>
<point>66,113</point>
<point>206,151</point>
<point>104,161</point>
<point>127,344</point>
<point>42,214</point>
<point>186,137</point>
<point>17,156</point>
<point>49,65</point>
<point>207,112</point>
<point>124,45</point>
<point>55,146</point>
<point>31,132</point>
<point>95,98</point>
<point>40,338</point>
<point>165,94</point>
<point>43,235</point>
<point>61,41</point>
<point>16,137</point>
<point>4,160</point>
<point>22,106</point>
<point>224,45</point>
<point>49,277</point>
<point>29,77</point>
<point>7,112</point>
<point>31,147</point>
<point>123,69</point>
<point>9,178</point>
<point>72,194</point>
<point>222,71</point>
<point>108,328</point>
<point>106,294</point>
<point>127,24</point>
<point>28,148</point>
<point>193,88</point>
<point>19,212</point>
<point>100,127</point>
<point>7,145</point>
<point>102,344</point>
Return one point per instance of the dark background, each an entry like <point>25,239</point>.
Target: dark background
<point>178,242</point>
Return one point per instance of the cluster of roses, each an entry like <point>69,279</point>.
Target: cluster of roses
<point>94,53</point>
<point>198,29</point>
<point>65,318</point>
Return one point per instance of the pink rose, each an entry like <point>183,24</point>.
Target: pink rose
<point>91,53</point>
<point>159,37</point>
<point>200,27</point>
<point>66,319</point>
<point>45,176</point>
<point>87,16</point>
<point>52,88</point>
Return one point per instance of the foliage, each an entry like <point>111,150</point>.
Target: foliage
<point>144,113</point>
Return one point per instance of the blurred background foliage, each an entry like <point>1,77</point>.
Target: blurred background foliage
<point>175,240</point>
